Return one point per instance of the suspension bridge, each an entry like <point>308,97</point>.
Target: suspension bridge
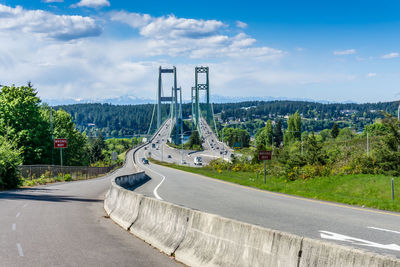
<point>173,98</point>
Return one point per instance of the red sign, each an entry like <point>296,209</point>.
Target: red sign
<point>60,143</point>
<point>264,155</point>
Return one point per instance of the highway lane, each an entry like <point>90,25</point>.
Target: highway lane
<point>212,147</point>
<point>363,228</point>
<point>64,225</point>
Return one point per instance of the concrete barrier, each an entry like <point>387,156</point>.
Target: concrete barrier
<point>123,205</point>
<point>126,209</point>
<point>111,197</point>
<point>212,240</point>
<point>320,253</point>
<point>201,239</point>
<point>161,224</point>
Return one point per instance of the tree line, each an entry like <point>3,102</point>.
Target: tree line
<point>129,120</point>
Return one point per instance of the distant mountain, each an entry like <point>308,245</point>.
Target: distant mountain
<point>121,100</point>
<point>228,99</point>
<point>133,100</point>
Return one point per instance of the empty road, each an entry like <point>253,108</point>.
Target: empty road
<point>64,225</point>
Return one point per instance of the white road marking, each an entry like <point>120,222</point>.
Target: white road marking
<point>14,226</point>
<point>156,188</point>
<point>385,230</point>
<point>26,204</point>
<point>20,252</point>
<point>357,241</point>
<point>18,214</point>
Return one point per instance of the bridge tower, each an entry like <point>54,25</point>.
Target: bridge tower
<point>173,99</point>
<point>196,95</point>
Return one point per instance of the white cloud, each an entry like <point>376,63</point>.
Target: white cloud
<point>390,55</point>
<point>135,20</point>
<point>241,24</point>
<point>82,69</point>
<point>53,1</point>
<point>92,3</point>
<point>193,38</point>
<point>345,52</point>
<point>42,23</point>
<point>371,74</point>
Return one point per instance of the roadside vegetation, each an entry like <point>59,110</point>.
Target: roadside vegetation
<point>27,129</point>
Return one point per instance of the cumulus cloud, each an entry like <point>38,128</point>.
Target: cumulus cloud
<point>81,69</point>
<point>92,3</point>
<point>345,52</point>
<point>390,55</point>
<point>168,27</point>
<point>194,38</point>
<point>42,23</point>
<point>135,20</point>
<point>241,24</point>
<point>371,74</point>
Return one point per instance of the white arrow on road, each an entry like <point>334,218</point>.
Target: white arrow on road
<point>357,241</point>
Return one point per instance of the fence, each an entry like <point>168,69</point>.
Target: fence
<point>51,171</point>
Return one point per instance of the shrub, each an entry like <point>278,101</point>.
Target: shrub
<point>10,158</point>
<point>67,177</point>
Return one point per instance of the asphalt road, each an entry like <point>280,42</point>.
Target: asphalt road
<point>64,224</point>
<point>212,147</point>
<point>368,229</point>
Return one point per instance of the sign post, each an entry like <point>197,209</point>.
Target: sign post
<point>114,157</point>
<point>61,143</point>
<point>265,155</point>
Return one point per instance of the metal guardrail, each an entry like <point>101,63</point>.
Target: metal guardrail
<point>51,171</point>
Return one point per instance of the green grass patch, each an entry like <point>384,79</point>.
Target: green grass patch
<point>367,190</point>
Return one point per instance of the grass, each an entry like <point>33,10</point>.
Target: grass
<point>373,191</point>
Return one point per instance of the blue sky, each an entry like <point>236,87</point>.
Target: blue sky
<point>94,49</point>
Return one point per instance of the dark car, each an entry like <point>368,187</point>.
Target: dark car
<point>169,156</point>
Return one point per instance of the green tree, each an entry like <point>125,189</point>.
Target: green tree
<point>10,158</point>
<point>387,153</point>
<point>278,134</point>
<point>293,132</point>
<point>96,149</point>
<point>313,151</point>
<point>194,140</point>
<point>264,137</point>
<point>63,127</point>
<point>334,131</point>
<point>297,125</point>
<point>376,129</point>
<point>20,114</point>
<point>234,136</point>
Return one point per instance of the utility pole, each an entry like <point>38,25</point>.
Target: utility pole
<point>223,146</point>
<point>367,144</point>
<point>52,136</point>
<point>398,113</point>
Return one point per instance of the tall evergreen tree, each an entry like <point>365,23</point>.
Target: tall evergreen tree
<point>278,134</point>
<point>334,130</point>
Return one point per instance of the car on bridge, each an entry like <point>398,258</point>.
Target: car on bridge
<point>145,161</point>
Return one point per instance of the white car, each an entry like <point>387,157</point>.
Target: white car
<point>198,161</point>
